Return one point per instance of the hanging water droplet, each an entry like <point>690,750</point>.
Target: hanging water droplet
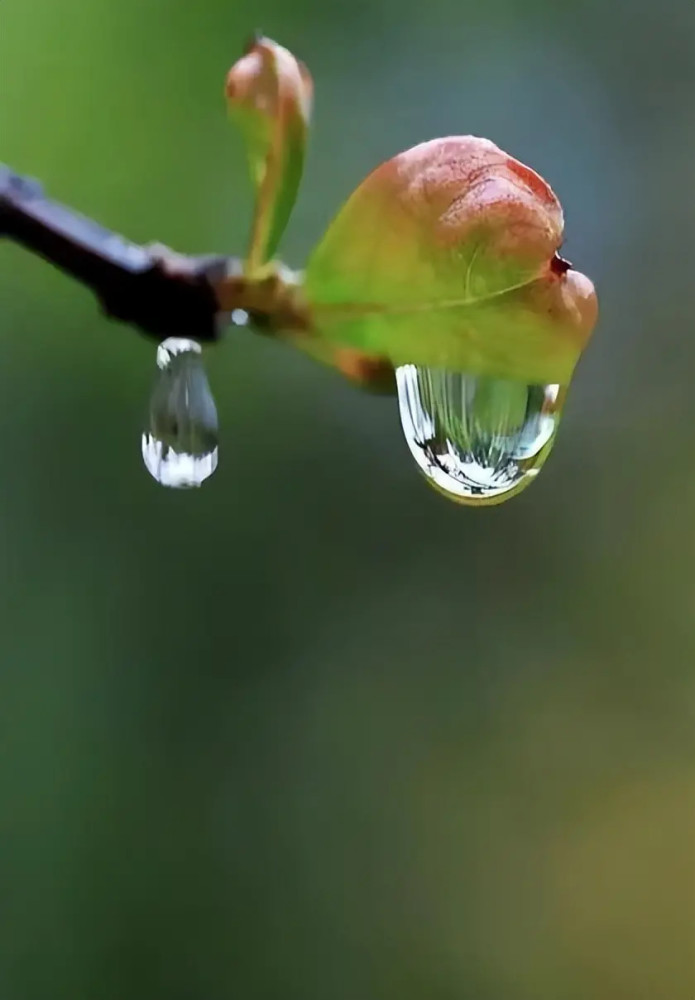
<point>478,440</point>
<point>180,445</point>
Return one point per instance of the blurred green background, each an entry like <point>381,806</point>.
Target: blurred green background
<point>313,732</point>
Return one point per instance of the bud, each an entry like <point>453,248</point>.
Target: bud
<point>269,94</point>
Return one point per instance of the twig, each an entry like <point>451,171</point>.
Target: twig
<point>163,293</point>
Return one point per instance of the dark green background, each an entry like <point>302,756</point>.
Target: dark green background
<point>312,732</point>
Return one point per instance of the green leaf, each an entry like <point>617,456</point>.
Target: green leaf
<point>446,256</point>
<point>269,95</point>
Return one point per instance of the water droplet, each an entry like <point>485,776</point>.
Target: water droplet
<point>180,445</point>
<point>240,317</point>
<point>478,440</point>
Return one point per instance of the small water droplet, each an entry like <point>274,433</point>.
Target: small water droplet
<point>179,447</point>
<point>478,440</point>
<point>240,317</point>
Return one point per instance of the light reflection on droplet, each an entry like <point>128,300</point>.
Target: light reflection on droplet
<point>478,440</point>
<point>179,447</point>
<point>176,469</point>
<point>173,346</point>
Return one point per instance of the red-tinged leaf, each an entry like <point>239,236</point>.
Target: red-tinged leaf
<point>269,94</point>
<point>446,256</point>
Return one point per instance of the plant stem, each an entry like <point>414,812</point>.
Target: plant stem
<point>163,293</point>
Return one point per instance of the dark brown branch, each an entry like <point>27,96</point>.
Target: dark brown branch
<point>163,293</point>
<point>167,294</point>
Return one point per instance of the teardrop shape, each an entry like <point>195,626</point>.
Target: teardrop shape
<point>478,440</point>
<point>179,447</point>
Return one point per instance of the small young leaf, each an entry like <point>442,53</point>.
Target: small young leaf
<point>446,256</point>
<point>269,94</point>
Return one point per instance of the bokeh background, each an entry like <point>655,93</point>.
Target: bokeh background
<point>311,731</point>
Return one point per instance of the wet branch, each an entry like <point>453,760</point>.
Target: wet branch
<point>163,293</point>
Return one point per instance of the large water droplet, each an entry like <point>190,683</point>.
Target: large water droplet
<point>478,440</point>
<point>180,445</point>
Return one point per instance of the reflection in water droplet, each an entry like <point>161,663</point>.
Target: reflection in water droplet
<point>478,440</point>
<point>180,445</point>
